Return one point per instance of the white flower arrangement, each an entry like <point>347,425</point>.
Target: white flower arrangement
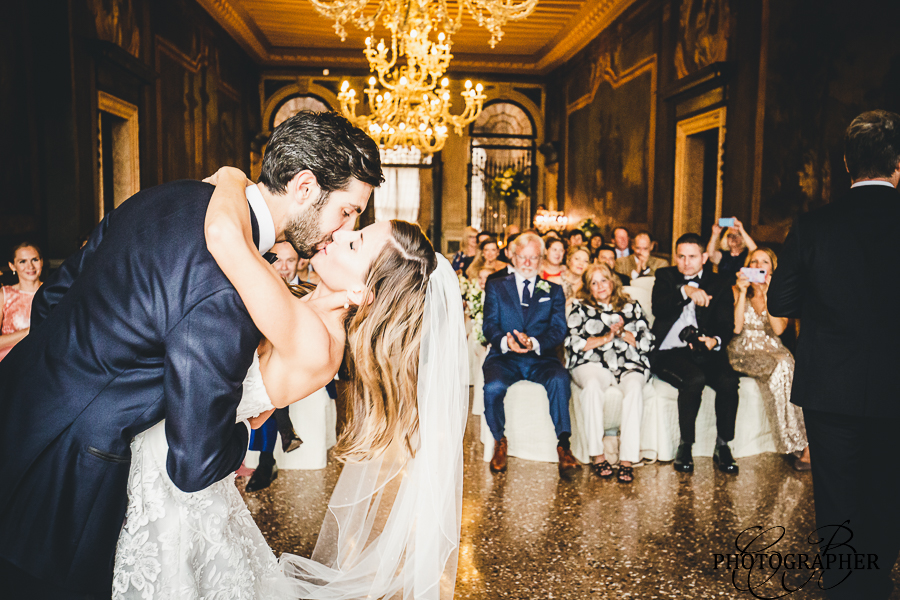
<point>475,302</point>
<point>543,286</point>
<point>512,186</point>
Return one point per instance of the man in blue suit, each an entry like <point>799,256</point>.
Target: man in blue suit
<point>525,321</point>
<point>141,325</point>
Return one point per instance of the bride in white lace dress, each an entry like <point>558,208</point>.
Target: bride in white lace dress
<point>392,529</point>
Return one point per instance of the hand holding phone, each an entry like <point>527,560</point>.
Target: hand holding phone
<point>726,222</point>
<point>754,275</point>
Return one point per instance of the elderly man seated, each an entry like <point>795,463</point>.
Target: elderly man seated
<point>525,320</point>
<point>640,263</point>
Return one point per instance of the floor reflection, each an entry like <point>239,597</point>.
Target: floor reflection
<point>528,534</point>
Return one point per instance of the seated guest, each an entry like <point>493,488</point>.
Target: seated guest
<point>622,242</point>
<point>508,232</point>
<point>640,263</point>
<point>609,344</point>
<point>291,267</point>
<point>15,300</point>
<point>575,237</point>
<point>506,268</point>
<point>463,258</point>
<point>577,260</point>
<point>525,321</point>
<point>287,264</point>
<point>305,274</point>
<point>694,323</point>
<point>757,351</point>
<point>606,255</point>
<point>488,256</point>
<point>731,253</point>
<point>594,242</point>
<point>552,267</point>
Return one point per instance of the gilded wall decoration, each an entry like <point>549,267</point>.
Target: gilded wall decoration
<point>704,27</point>
<point>116,22</point>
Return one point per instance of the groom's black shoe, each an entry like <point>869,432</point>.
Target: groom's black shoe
<point>263,476</point>
<point>684,460</point>
<point>723,458</point>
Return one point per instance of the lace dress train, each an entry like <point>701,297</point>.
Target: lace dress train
<point>192,546</point>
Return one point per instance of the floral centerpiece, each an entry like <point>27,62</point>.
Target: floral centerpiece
<point>512,186</point>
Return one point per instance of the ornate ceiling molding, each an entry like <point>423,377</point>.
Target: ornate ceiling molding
<point>240,26</point>
<point>593,17</point>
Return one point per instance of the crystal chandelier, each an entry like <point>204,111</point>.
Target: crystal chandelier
<point>400,15</point>
<point>413,110</point>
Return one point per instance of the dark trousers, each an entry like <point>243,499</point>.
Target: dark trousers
<point>856,479</point>
<point>501,371</point>
<point>16,584</point>
<point>689,372</point>
<point>263,439</point>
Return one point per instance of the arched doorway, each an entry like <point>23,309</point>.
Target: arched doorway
<point>292,105</point>
<point>502,138</point>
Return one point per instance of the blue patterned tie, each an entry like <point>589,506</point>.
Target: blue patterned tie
<point>526,297</point>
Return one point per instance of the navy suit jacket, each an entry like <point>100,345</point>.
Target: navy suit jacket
<point>139,325</point>
<point>546,319</point>
<point>837,273</point>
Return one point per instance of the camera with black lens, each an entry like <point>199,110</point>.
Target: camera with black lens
<point>691,335</point>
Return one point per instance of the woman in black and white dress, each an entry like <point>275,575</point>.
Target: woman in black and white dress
<point>608,346</point>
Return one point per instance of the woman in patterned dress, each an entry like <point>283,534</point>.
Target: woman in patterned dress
<point>609,343</point>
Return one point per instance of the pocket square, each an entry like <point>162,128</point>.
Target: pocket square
<point>544,300</point>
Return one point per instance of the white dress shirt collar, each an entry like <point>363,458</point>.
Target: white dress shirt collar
<point>263,218</point>
<point>871,182</point>
<point>520,283</point>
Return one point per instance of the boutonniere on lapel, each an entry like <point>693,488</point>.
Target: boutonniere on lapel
<point>543,286</point>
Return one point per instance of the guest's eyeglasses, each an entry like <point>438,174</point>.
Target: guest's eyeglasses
<point>527,259</point>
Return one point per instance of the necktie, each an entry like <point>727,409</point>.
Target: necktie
<point>526,297</point>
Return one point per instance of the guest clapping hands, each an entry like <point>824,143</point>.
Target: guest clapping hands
<point>609,342</point>
<point>757,351</point>
<point>15,300</point>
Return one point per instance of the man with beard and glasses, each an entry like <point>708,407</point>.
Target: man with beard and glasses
<point>141,325</point>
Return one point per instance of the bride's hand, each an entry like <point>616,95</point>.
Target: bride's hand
<point>257,421</point>
<point>227,171</point>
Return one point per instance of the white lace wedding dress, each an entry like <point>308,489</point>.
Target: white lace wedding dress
<point>192,546</point>
<point>393,521</point>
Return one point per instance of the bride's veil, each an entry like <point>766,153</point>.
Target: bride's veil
<point>392,527</point>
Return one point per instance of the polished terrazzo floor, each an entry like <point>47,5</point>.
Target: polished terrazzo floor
<point>527,534</point>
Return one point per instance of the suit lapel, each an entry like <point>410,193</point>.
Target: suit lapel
<point>512,292</point>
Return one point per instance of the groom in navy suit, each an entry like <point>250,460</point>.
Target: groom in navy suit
<point>525,321</point>
<point>141,325</point>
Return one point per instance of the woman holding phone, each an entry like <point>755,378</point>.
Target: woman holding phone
<point>757,351</point>
<point>731,253</point>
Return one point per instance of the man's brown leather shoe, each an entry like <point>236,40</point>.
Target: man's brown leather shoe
<point>568,464</point>
<point>498,463</point>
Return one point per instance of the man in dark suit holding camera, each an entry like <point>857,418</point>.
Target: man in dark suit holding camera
<point>831,275</point>
<point>694,310</point>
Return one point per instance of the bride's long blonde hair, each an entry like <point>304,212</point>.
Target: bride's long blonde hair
<point>383,347</point>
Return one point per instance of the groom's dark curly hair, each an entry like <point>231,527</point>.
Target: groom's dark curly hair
<point>324,143</point>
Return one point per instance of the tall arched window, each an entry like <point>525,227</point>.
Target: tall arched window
<point>295,104</point>
<point>503,137</point>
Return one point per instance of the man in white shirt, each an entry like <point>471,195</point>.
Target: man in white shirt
<point>525,320</point>
<point>622,240</point>
<point>687,295</point>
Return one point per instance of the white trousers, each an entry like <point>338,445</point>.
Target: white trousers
<point>595,380</point>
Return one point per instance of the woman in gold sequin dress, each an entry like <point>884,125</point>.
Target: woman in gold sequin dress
<point>757,351</point>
